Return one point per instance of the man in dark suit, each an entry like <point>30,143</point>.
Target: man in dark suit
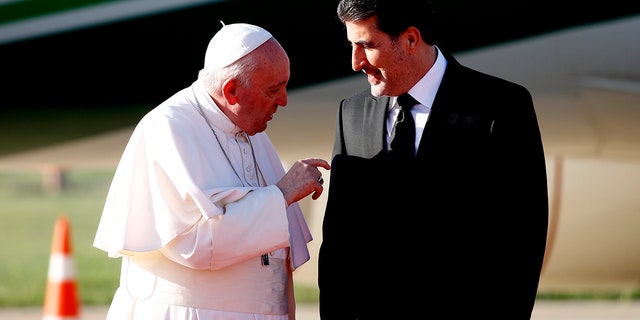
<point>457,230</point>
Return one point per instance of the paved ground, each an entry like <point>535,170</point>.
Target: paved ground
<point>544,310</point>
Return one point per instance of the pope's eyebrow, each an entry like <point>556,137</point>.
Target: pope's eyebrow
<point>278,87</point>
<point>281,84</point>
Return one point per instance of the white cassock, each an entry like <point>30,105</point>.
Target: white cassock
<point>191,229</point>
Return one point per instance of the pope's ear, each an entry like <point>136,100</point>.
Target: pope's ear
<point>230,91</point>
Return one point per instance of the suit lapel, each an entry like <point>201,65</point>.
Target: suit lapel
<point>375,115</point>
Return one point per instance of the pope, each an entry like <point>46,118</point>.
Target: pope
<point>200,210</point>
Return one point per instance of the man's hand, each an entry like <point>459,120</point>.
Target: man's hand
<point>302,179</point>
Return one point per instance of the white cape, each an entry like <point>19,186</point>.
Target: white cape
<point>173,173</point>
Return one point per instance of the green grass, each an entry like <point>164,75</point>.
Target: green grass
<point>27,218</point>
<point>590,295</point>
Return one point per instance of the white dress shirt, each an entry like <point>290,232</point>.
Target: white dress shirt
<point>424,91</point>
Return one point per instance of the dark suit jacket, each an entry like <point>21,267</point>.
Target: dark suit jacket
<point>467,238</point>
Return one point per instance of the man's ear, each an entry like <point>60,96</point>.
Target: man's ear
<point>230,91</point>
<point>413,37</point>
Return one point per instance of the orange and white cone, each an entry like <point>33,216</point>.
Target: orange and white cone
<point>61,298</point>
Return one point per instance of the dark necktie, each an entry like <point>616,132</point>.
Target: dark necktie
<point>403,134</point>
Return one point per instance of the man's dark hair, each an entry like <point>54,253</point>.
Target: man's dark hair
<point>393,16</point>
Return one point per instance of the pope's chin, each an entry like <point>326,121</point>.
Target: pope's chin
<point>263,128</point>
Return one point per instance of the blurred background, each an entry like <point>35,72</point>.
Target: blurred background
<point>78,75</point>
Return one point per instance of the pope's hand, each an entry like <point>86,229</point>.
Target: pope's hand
<point>302,179</point>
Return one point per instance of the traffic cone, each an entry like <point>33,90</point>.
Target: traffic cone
<point>61,298</point>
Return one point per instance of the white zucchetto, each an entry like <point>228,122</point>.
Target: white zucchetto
<point>232,42</point>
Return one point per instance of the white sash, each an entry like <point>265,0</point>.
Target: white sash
<point>245,287</point>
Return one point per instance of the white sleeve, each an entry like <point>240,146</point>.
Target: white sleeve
<point>250,226</point>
